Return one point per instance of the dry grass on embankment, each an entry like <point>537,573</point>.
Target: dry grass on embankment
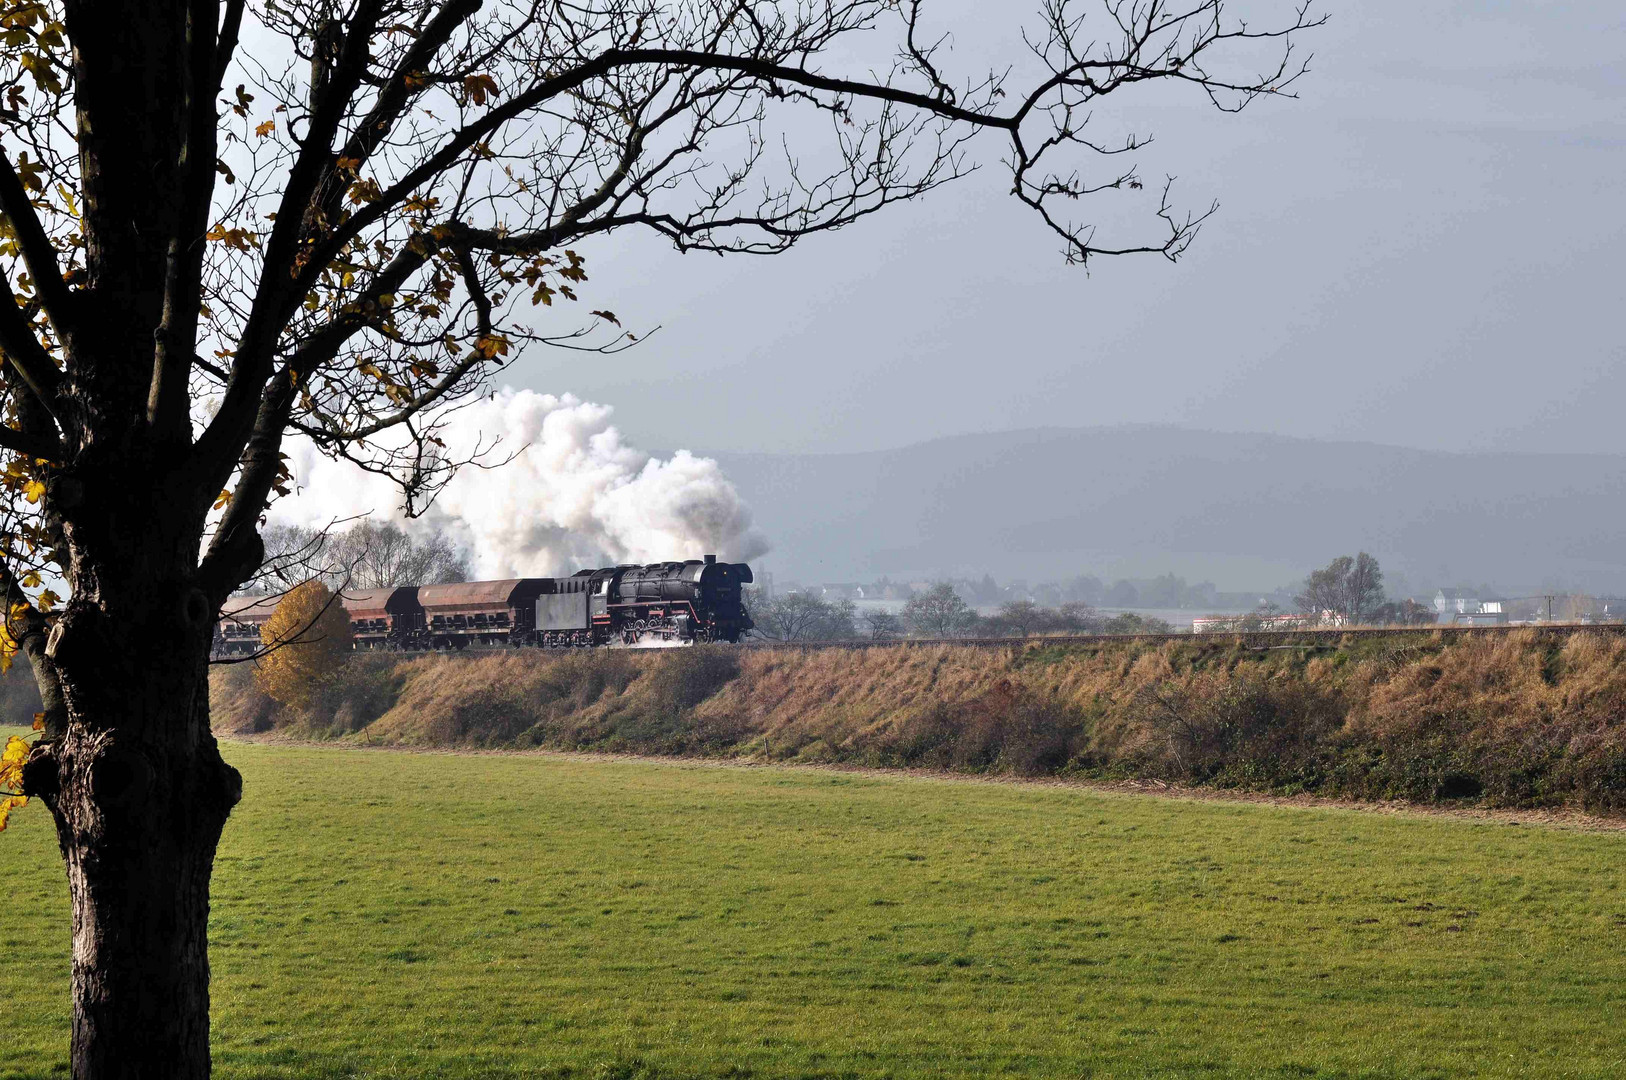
<point>1523,719</point>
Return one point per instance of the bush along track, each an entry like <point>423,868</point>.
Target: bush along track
<point>1525,719</point>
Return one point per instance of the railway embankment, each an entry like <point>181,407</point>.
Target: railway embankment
<point>1518,719</point>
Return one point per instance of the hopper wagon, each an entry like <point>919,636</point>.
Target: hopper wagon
<point>678,603</point>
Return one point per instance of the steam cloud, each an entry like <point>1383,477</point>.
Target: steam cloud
<point>575,495</point>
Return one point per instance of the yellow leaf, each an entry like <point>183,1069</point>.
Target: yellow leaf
<point>6,805</point>
<point>39,721</point>
<point>31,580</point>
<point>266,128</point>
<point>33,490</point>
<point>241,239</point>
<point>225,497</point>
<point>48,600</point>
<point>11,763</point>
<point>30,172</point>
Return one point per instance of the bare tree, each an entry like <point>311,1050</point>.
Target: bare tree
<point>1348,586</point>
<point>939,612</point>
<point>367,554</point>
<point>336,233</point>
<point>1024,617</point>
<point>881,624</point>
<point>800,616</point>
<point>379,553</point>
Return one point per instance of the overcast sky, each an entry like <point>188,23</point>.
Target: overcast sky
<point>1422,250</point>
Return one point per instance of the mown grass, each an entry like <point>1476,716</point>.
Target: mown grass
<point>386,914</point>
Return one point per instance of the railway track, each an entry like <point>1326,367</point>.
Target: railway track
<point>1287,639</point>
<point>1254,639</point>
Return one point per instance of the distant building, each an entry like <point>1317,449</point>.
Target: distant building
<point>1460,608</point>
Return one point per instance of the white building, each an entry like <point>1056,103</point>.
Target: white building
<point>1455,606</point>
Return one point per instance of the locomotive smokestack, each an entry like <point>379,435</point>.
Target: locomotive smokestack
<point>710,559</point>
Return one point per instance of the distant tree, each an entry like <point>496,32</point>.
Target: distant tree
<point>880,624</point>
<point>1078,617</point>
<point>1130,622</point>
<point>379,553</point>
<point>1407,612</point>
<point>1122,594</point>
<point>367,555</point>
<point>802,616</point>
<point>308,641</point>
<point>986,591</point>
<point>1259,618</point>
<point>939,612</point>
<point>1164,591</point>
<point>1086,589</point>
<point>1351,587</point>
<point>1023,617</point>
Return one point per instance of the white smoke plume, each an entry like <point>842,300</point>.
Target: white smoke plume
<point>575,495</point>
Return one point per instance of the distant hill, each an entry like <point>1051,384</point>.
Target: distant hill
<point>1245,511</point>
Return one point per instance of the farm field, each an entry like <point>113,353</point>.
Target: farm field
<point>389,914</point>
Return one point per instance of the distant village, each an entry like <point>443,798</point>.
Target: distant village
<point>1213,610</point>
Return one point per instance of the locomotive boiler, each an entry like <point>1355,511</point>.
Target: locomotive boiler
<point>669,603</point>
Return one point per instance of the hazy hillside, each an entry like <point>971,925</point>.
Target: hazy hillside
<point>1247,511</point>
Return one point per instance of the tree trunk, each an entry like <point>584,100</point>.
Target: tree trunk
<point>140,794</point>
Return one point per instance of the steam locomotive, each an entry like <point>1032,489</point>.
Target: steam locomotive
<point>669,603</point>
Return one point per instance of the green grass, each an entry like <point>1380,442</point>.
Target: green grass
<point>382,914</point>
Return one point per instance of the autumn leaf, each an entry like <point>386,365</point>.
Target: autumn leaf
<point>241,239</point>
<point>607,316</point>
<point>11,777</point>
<point>265,128</point>
<point>33,491</point>
<point>364,191</point>
<point>11,762</point>
<point>479,87</point>
<point>9,803</point>
<point>225,497</point>
<point>30,173</point>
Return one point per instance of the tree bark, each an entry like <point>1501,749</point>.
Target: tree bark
<point>140,794</point>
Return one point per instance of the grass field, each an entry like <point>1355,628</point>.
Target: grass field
<point>385,914</point>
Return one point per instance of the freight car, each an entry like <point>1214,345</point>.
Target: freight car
<point>662,603</point>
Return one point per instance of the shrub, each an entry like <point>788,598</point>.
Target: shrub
<point>307,641</point>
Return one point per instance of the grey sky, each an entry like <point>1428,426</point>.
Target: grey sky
<point>1422,250</point>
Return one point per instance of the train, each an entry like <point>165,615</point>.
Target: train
<point>667,603</point>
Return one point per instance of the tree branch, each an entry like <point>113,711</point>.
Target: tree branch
<point>175,340</point>
<point>28,357</point>
<point>231,23</point>
<point>38,252</point>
